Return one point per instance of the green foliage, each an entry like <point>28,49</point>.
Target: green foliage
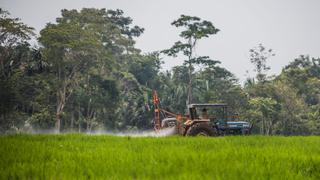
<point>40,120</point>
<point>194,30</point>
<point>194,27</point>
<point>20,65</point>
<point>12,31</point>
<point>258,57</point>
<point>296,92</point>
<point>108,157</point>
<point>265,111</point>
<point>145,68</point>
<point>87,75</point>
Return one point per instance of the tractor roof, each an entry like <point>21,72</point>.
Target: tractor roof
<point>207,105</point>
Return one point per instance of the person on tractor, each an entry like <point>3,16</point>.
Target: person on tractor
<point>205,114</point>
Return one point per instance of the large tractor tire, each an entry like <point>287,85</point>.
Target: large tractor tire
<point>202,129</point>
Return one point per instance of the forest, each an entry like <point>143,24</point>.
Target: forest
<point>86,74</point>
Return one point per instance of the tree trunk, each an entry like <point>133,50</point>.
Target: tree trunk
<point>58,122</point>
<point>72,121</point>
<point>61,103</point>
<point>189,99</point>
<point>262,126</point>
<point>79,119</point>
<point>88,123</point>
<point>192,45</point>
<point>268,129</point>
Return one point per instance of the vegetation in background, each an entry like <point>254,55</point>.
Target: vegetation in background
<point>87,75</point>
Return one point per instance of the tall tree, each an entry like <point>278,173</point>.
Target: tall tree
<point>258,57</point>
<point>72,48</point>
<point>12,33</point>
<point>90,40</point>
<point>194,30</point>
<point>16,58</point>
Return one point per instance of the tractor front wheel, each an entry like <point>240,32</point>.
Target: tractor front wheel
<point>202,129</point>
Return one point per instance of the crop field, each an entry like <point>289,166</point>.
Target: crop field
<point>76,156</point>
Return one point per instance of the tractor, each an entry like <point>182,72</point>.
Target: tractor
<point>201,120</point>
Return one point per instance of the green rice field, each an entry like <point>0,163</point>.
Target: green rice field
<point>77,156</point>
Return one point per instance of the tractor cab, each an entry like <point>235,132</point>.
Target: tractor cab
<point>213,112</point>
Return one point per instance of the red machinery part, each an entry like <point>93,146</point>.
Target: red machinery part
<point>157,123</point>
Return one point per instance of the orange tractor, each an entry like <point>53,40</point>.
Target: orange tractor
<point>212,121</point>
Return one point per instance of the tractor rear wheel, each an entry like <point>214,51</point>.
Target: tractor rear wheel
<point>202,129</point>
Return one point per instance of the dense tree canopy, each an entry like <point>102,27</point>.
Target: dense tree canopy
<point>87,75</point>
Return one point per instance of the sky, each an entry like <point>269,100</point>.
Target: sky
<point>289,27</point>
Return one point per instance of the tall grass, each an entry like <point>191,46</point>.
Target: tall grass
<point>75,156</point>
